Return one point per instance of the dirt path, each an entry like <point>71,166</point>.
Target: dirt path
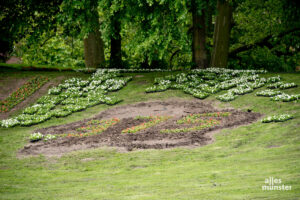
<point>150,138</point>
<point>31,99</point>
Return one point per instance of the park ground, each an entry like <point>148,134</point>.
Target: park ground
<point>235,166</point>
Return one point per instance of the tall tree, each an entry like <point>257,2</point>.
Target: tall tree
<point>221,37</point>
<point>155,33</point>
<point>199,35</point>
<point>81,18</point>
<point>116,41</point>
<point>113,14</point>
<point>93,44</point>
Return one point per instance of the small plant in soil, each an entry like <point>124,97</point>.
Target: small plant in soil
<point>36,137</point>
<point>22,93</point>
<point>204,124</point>
<point>153,120</point>
<point>198,118</point>
<point>94,127</point>
<point>49,137</point>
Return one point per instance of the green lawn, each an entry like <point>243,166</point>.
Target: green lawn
<point>234,167</point>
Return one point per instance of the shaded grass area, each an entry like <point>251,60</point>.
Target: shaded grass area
<point>28,67</point>
<point>234,167</point>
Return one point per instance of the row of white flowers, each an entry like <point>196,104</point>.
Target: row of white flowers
<point>74,95</point>
<point>277,118</point>
<point>202,82</point>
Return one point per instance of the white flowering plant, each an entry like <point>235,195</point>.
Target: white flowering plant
<point>285,97</point>
<point>8,123</point>
<point>273,79</point>
<point>277,118</point>
<point>268,93</point>
<point>36,137</point>
<point>49,137</point>
<point>200,95</point>
<point>288,85</point>
<point>229,96</point>
<point>73,95</point>
<point>55,90</point>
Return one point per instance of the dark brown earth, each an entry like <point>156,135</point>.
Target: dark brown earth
<point>150,138</point>
<point>29,100</point>
<point>10,84</point>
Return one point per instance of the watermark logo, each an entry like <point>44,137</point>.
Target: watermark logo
<point>272,184</point>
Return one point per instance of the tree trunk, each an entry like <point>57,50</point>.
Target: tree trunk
<point>222,30</point>
<point>198,41</point>
<point>93,44</point>
<point>93,50</point>
<point>209,20</point>
<point>115,42</point>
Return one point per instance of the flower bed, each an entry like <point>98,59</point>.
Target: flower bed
<point>153,120</point>
<point>204,82</point>
<point>281,85</point>
<point>229,96</point>
<point>22,93</point>
<point>204,124</point>
<point>73,95</point>
<point>286,97</point>
<point>92,127</point>
<point>201,119</point>
<point>268,93</point>
<point>196,118</point>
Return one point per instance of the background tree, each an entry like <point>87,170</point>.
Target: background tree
<point>83,16</point>
<point>266,35</point>
<point>113,13</point>
<point>155,34</point>
<point>173,34</point>
<point>199,33</point>
<point>20,18</point>
<point>221,34</point>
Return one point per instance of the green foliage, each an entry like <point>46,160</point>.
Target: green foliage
<point>264,58</point>
<point>156,30</point>
<point>19,19</point>
<point>266,21</point>
<point>154,33</point>
<point>52,49</point>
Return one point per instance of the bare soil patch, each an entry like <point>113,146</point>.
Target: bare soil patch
<point>10,84</point>
<point>150,138</point>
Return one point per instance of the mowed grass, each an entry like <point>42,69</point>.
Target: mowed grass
<point>234,167</point>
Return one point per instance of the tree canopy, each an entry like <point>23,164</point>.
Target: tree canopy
<point>173,34</point>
